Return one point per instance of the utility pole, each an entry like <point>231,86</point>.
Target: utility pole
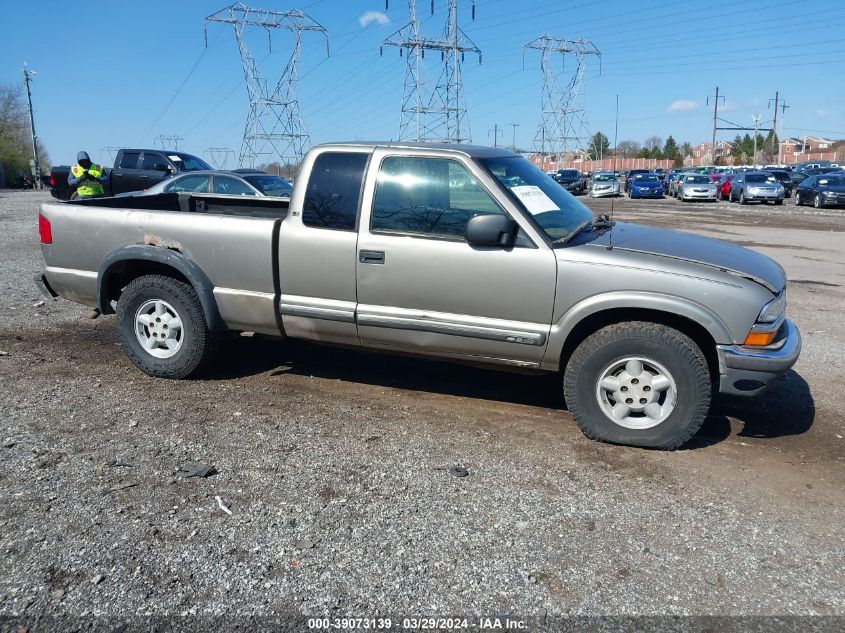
<point>783,108</point>
<point>756,118</point>
<point>166,141</point>
<point>715,119</point>
<point>513,136</point>
<point>36,164</point>
<point>219,156</point>
<point>495,131</point>
<point>775,120</point>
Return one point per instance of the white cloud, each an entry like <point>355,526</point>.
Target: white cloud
<point>727,107</point>
<point>682,105</point>
<point>373,16</point>
<point>821,113</point>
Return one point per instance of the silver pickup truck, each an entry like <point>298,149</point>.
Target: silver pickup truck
<point>450,251</point>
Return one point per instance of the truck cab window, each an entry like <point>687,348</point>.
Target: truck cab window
<point>428,196</point>
<point>334,191</point>
<point>129,160</point>
<point>154,162</point>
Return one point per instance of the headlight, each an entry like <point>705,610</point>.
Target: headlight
<point>832,194</point>
<point>752,190</point>
<point>780,188</point>
<point>773,310</point>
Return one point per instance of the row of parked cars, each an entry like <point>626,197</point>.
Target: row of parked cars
<point>820,185</point>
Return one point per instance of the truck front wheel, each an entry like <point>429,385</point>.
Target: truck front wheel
<point>162,327</point>
<point>638,383</point>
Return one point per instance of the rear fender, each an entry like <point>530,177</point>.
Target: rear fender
<point>141,255</point>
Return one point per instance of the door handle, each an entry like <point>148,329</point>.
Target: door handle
<point>371,257</point>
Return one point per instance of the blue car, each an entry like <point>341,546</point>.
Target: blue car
<point>645,186</point>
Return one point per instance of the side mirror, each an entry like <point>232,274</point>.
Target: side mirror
<point>491,230</point>
<point>161,167</point>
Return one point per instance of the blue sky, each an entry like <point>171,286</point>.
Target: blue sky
<point>122,73</point>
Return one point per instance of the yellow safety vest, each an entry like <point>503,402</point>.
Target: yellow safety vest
<point>89,187</point>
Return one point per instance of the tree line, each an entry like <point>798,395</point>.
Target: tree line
<point>15,140</point>
<point>742,149</point>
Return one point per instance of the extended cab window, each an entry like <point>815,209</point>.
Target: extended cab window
<point>129,160</point>
<point>430,196</point>
<point>334,190</point>
<point>195,184</point>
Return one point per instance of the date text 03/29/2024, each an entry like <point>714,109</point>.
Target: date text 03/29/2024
<point>417,624</point>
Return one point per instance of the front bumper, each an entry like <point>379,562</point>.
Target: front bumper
<point>698,195</point>
<point>746,371</point>
<point>763,196</point>
<point>600,193</point>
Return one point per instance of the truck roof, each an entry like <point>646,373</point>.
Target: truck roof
<point>474,151</point>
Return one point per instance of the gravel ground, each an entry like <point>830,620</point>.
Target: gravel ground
<point>334,466</point>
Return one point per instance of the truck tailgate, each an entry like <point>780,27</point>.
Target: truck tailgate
<point>237,253</point>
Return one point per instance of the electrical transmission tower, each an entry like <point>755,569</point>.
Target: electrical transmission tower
<point>219,156</point>
<point>167,141</point>
<point>275,129</point>
<point>438,115</point>
<point>563,126</point>
<point>110,151</point>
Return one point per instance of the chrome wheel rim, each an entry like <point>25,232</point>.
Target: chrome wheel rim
<point>636,393</point>
<point>158,328</point>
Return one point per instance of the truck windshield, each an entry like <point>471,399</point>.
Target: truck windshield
<point>555,211</point>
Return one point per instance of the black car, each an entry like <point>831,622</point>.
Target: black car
<point>784,178</point>
<point>822,190</point>
<point>571,180</point>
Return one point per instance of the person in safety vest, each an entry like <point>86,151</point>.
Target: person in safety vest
<point>87,177</point>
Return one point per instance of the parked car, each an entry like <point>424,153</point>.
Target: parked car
<point>784,179</point>
<point>134,170</point>
<point>696,187</point>
<point>660,173</point>
<point>675,183</point>
<point>723,187</point>
<point>630,174</point>
<point>219,183</point>
<point>571,179</point>
<point>645,185</point>
<point>667,179</point>
<point>760,186</point>
<point>824,190</point>
<point>375,249</point>
<point>604,184</point>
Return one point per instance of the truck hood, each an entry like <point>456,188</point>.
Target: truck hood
<point>733,259</point>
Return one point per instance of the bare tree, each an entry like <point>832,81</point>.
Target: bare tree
<point>627,149</point>
<point>15,143</point>
<point>653,142</point>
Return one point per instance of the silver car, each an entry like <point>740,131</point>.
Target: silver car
<point>220,183</point>
<point>604,184</point>
<point>696,187</point>
<point>748,186</point>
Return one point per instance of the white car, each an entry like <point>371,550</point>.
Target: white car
<point>604,184</point>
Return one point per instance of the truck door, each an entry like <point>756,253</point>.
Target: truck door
<point>422,287</point>
<point>125,171</point>
<point>154,168</point>
<point>317,248</point>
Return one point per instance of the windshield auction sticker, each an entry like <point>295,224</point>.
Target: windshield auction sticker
<point>534,199</point>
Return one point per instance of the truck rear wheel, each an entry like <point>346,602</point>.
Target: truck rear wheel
<point>638,383</point>
<point>162,327</point>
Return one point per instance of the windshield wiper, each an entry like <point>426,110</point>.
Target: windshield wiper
<point>602,223</point>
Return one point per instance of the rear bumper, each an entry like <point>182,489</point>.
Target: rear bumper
<point>41,283</point>
<point>746,371</point>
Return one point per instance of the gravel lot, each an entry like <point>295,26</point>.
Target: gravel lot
<point>335,467</point>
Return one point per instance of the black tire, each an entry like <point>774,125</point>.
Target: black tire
<point>797,199</point>
<point>199,345</point>
<point>675,351</point>
<point>74,196</point>
<point>779,201</point>
<point>817,201</point>
<point>742,199</point>
<point>719,195</point>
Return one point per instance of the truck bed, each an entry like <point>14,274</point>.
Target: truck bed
<point>234,241</point>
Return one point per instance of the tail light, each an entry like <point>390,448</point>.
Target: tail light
<point>45,230</point>
<point>52,181</point>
